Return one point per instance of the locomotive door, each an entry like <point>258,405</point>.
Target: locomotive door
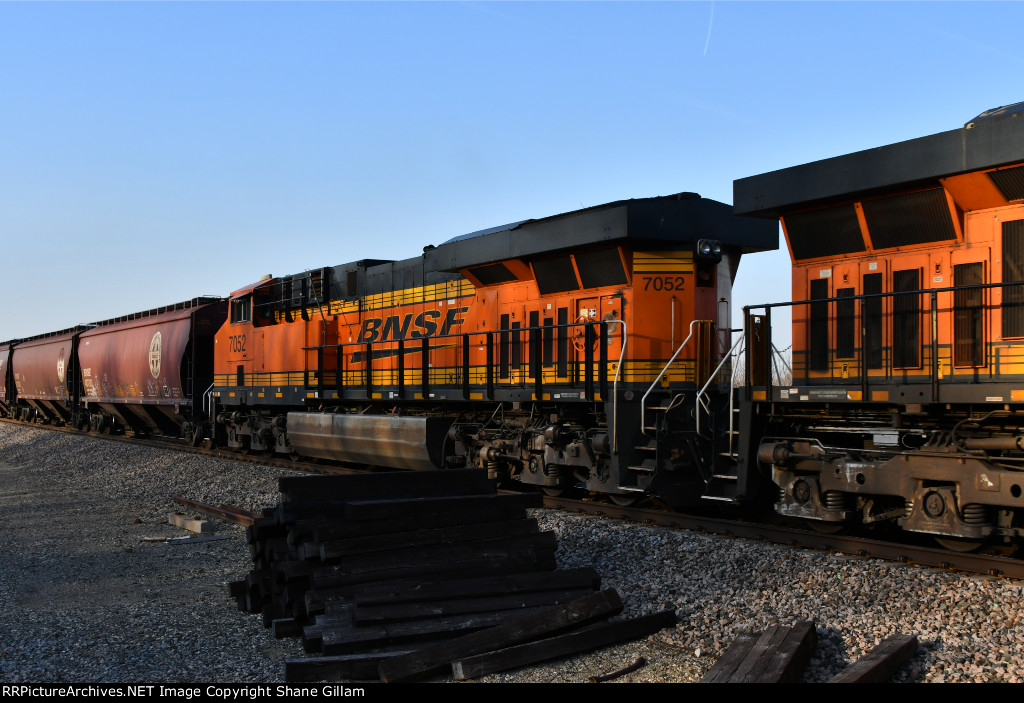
<point>595,310</point>
<point>846,366</point>
<point>818,327</point>
<point>513,345</point>
<point>964,343</point>
<point>873,314</point>
<point>911,319</point>
<point>612,310</point>
<point>587,310</point>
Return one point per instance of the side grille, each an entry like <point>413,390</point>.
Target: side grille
<point>912,218</point>
<point>829,232</point>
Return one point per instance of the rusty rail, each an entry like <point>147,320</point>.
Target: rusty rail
<point>224,512</point>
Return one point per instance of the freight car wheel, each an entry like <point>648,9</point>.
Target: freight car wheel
<point>959,544</point>
<point>623,501</point>
<point>553,492</point>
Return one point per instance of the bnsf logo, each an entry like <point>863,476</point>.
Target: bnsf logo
<point>379,329</point>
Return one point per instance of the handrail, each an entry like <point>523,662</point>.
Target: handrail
<point>208,402</point>
<point>615,387</point>
<point>643,401</point>
<point>925,340</point>
<point>711,378</point>
<point>530,330</point>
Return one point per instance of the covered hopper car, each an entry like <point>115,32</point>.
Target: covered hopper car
<point>145,372</point>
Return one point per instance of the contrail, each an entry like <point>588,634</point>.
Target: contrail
<point>710,22</point>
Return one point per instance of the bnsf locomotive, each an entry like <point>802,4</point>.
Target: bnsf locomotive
<point>528,350</point>
<point>594,350</point>
<point>906,403</point>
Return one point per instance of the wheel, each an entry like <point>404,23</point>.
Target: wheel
<point>825,528</point>
<point>552,491</point>
<point>959,544</point>
<point>623,500</point>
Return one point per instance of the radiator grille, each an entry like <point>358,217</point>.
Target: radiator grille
<point>912,218</point>
<point>829,232</point>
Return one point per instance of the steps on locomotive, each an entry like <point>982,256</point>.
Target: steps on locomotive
<point>648,465</point>
<point>648,460</point>
<point>724,482</point>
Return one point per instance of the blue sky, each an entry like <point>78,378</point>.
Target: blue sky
<point>153,152</point>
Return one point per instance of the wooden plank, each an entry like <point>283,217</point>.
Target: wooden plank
<point>192,525</point>
<point>733,656</point>
<point>264,528</point>
<point>791,657</point>
<point>777,655</point>
<point>531,549</point>
<point>401,612</point>
<point>510,507</point>
<point>760,654</point>
<point>417,590</point>
<point>548,621</point>
<point>487,570</point>
<point>881,663</point>
<point>343,639</point>
<point>391,483</point>
<point>286,627</point>
<point>383,509</point>
<point>312,634</point>
<point>375,507</point>
<point>562,646</point>
<point>349,667</point>
<point>336,549</point>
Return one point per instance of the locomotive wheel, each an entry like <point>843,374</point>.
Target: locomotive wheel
<point>552,491</point>
<point>959,544</point>
<point>825,528</point>
<point>623,501</point>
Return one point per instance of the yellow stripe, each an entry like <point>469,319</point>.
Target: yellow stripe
<point>663,262</point>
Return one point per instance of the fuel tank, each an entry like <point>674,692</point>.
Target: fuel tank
<point>377,440</point>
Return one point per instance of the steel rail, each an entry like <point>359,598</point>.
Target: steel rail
<point>933,557</point>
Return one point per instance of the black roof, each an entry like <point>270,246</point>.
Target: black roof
<point>994,138</point>
<point>683,218</point>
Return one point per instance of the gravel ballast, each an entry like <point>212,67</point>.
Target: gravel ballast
<point>86,600</point>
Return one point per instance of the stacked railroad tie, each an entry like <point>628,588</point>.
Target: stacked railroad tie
<point>402,575</point>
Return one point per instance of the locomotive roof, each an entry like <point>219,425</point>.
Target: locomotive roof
<point>683,218</point>
<point>993,138</point>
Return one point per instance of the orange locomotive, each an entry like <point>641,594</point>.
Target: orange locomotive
<point>546,350</point>
<point>906,403</point>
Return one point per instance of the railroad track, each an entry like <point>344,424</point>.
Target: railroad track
<point>986,563</point>
<point>926,556</point>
